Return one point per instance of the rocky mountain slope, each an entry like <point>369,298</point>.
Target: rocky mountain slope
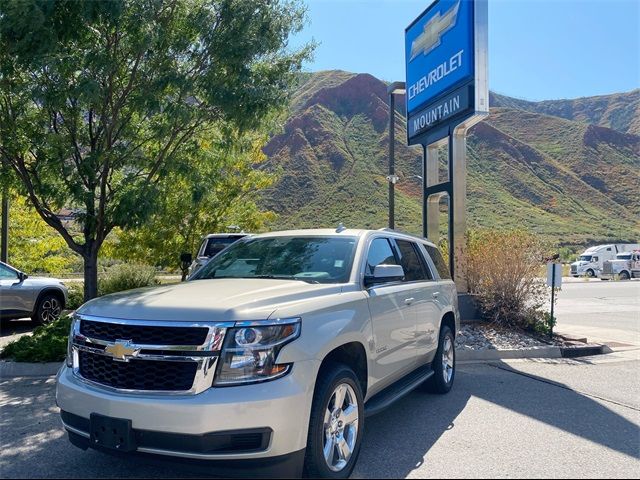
<point>567,169</point>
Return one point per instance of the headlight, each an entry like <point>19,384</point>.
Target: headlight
<point>249,353</point>
<point>74,321</point>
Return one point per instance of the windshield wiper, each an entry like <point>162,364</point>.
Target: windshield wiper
<point>269,277</point>
<point>286,277</point>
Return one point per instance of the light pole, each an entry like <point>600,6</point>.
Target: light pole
<point>395,88</point>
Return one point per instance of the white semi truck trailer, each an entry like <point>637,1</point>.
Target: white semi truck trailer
<point>591,261</point>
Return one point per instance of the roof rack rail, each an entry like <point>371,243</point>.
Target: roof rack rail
<point>387,229</point>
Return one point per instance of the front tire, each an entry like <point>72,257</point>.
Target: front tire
<point>336,424</point>
<point>624,276</point>
<point>591,273</point>
<point>444,364</point>
<point>48,310</point>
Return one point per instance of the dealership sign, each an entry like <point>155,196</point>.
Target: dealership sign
<point>446,52</point>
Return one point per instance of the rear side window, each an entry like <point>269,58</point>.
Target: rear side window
<point>414,268</point>
<point>438,260</point>
<point>213,246</point>
<point>380,253</point>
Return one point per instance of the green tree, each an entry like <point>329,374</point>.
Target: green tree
<point>33,246</point>
<point>101,101</point>
<point>217,190</point>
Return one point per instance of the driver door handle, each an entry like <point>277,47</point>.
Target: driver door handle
<point>409,301</point>
<point>435,294</point>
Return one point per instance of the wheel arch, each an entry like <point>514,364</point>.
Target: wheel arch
<point>352,354</point>
<point>46,291</point>
<point>449,319</point>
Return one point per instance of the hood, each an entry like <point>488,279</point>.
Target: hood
<point>42,281</point>
<point>216,300</point>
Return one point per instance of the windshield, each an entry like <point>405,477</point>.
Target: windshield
<point>623,256</point>
<point>310,259</point>
<point>585,258</point>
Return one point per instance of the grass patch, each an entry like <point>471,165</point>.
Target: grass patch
<point>48,343</point>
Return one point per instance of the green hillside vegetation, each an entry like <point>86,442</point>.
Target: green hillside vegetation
<point>572,182</point>
<point>618,111</point>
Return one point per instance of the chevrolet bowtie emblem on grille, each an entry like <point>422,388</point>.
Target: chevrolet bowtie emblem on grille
<point>433,31</point>
<point>122,350</point>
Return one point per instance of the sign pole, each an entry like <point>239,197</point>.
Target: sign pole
<point>392,118</point>
<point>553,296</point>
<point>458,207</point>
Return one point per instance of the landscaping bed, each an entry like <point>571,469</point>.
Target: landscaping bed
<point>485,336</point>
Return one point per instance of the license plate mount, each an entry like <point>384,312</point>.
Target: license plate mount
<point>113,433</point>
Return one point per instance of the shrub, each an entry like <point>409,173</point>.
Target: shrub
<point>48,343</point>
<point>125,277</point>
<point>75,296</point>
<point>503,270</point>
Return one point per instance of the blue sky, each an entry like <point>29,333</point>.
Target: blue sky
<point>538,49</point>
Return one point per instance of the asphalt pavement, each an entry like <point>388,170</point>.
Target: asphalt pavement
<point>523,418</point>
<point>604,312</point>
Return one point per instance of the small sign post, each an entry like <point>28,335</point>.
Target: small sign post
<point>554,280</point>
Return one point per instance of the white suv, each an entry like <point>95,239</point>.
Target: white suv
<point>274,353</point>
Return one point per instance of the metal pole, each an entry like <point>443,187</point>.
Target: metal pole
<point>452,213</point>
<point>4,250</point>
<point>553,295</point>
<point>424,188</point>
<point>432,202</point>
<point>391,160</point>
<point>458,206</point>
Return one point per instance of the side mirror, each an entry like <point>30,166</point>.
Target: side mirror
<point>185,261</point>
<point>22,276</point>
<point>385,274</point>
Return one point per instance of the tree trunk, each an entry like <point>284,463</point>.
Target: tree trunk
<point>90,275</point>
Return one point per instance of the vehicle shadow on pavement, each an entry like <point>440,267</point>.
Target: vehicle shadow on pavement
<point>14,327</point>
<point>396,442</point>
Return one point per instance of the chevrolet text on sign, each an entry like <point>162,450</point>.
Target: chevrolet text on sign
<point>441,58</point>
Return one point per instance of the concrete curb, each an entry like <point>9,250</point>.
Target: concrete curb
<point>540,352</point>
<point>483,355</point>
<point>23,369</point>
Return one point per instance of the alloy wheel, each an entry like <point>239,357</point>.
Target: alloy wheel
<point>50,310</point>
<point>340,427</point>
<point>448,359</point>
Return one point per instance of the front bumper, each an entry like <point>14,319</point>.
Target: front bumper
<point>281,407</point>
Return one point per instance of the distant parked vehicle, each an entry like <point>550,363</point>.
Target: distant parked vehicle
<point>624,267</point>
<point>21,296</point>
<point>591,261</point>
<point>212,245</point>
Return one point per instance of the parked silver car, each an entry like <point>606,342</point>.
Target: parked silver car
<point>21,296</point>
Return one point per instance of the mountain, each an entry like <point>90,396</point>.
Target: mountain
<point>620,111</point>
<point>556,168</point>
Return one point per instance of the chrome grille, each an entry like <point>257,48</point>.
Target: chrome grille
<point>137,374</point>
<point>607,268</point>
<point>145,334</point>
<point>574,269</point>
<point>139,356</point>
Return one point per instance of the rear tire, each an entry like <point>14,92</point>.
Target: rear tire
<point>48,310</point>
<point>444,364</point>
<point>335,431</point>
